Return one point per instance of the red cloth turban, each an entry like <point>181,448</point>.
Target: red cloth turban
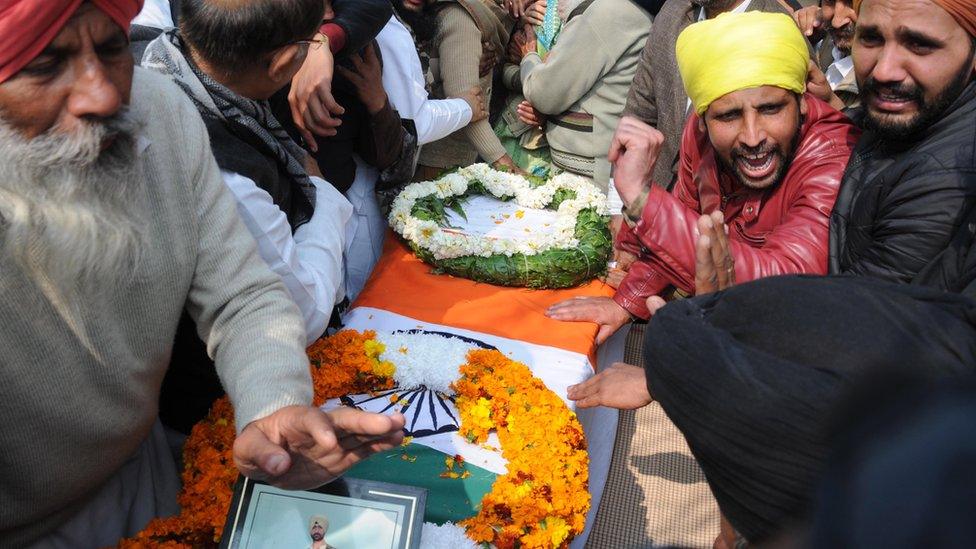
<point>28,26</point>
<point>963,11</point>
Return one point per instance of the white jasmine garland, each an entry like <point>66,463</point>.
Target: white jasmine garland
<point>425,359</point>
<point>445,536</point>
<point>442,244</point>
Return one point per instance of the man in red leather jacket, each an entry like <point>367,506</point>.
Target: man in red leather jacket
<point>769,157</point>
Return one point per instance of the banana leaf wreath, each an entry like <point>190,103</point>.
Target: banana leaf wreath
<point>573,250</point>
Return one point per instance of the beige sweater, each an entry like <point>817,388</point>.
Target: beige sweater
<point>584,81</point>
<point>80,385</point>
<point>455,66</point>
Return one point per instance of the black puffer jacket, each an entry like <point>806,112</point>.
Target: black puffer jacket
<point>899,209</point>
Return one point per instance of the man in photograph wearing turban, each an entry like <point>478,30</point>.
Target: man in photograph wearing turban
<point>317,528</point>
<point>113,219</point>
<point>758,151</point>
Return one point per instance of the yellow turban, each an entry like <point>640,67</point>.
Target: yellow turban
<point>738,51</point>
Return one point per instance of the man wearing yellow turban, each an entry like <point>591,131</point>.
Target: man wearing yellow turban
<point>759,151</point>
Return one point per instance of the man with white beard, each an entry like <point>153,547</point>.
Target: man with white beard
<point>113,218</point>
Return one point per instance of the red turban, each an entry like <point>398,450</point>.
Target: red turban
<point>963,11</point>
<point>28,26</point>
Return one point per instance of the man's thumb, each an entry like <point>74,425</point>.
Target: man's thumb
<point>259,458</point>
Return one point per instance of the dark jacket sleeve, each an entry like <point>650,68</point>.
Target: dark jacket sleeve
<point>914,223</point>
<point>641,102</point>
<point>389,144</point>
<point>361,20</point>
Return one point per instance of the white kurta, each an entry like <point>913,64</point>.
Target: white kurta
<point>308,261</point>
<point>403,80</point>
<point>366,229</point>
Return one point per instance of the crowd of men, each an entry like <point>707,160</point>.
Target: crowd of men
<point>191,191</point>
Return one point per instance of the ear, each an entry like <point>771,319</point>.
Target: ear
<point>285,62</point>
<point>803,105</point>
<point>701,123</point>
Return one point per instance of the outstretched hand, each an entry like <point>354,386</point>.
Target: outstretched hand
<point>602,311</point>
<point>516,8</point>
<point>620,386</point>
<point>535,14</point>
<point>475,98</point>
<point>819,87</point>
<point>302,447</point>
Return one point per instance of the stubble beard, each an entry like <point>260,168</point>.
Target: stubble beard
<point>843,38</point>
<point>929,112</point>
<point>785,160</point>
<point>71,214</point>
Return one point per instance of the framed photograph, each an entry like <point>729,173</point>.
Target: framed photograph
<point>347,513</point>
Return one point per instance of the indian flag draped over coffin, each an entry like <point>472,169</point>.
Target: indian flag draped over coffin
<point>404,299</point>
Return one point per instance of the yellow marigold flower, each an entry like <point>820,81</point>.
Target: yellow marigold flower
<point>482,411</point>
<point>384,368</point>
<point>558,530</point>
<point>373,348</point>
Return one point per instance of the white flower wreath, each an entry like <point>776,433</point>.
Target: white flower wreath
<point>435,244</point>
<point>442,244</point>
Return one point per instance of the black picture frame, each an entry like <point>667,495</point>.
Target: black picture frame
<point>254,501</point>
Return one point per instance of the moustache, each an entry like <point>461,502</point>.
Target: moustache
<point>739,152</point>
<point>899,91</point>
<point>83,146</point>
<point>846,32</point>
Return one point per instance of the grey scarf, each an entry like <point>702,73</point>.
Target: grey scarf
<point>165,55</point>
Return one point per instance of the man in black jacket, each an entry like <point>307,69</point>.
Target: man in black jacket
<point>912,178</point>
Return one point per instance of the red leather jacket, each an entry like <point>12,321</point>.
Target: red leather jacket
<point>782,230</point>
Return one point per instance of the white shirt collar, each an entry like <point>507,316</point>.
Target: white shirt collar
<point>837,54</point>
<point>741,8</point>
<point>838,71</point>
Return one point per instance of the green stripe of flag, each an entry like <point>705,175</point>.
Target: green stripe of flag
<point>417,465</point>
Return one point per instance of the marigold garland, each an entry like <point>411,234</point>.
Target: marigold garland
<point>529,507</point>
<point>542,501</point>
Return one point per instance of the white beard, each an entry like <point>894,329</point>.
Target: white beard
<point>70,213</point>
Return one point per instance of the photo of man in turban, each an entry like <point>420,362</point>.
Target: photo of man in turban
<point>317,527</point>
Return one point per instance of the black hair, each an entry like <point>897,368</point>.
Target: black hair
<point>234,36</point>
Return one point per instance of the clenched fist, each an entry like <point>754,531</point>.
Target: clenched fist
<point>633,153</point>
